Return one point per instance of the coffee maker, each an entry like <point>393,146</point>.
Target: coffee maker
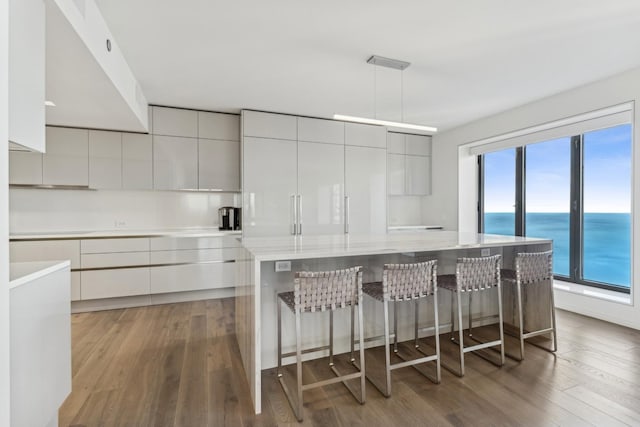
<point>229,218</point>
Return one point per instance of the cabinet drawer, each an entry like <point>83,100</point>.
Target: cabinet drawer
<point>99,246</point>
<point>114,283</point>
<point>192,277</point>
<point>178,243</point>
<point>46,250</point>
<point>191,255</point>
<point>75,286</point>
<point>319,130</point>
<point>114,259</point>
<point>269,125</point>
<point>419,145</point>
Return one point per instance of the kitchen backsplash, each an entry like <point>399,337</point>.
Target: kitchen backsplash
<point>36,210</point>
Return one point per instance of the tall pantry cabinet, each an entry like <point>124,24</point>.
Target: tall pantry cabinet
<point>306,176</point>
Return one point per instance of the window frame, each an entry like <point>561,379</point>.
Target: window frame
<point>576,212</point>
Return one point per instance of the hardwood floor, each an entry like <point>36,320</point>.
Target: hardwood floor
<point>178,365</point>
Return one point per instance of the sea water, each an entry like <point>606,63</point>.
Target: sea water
<point>606,246</point>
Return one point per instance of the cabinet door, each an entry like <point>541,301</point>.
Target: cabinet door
<point>269,183</point>
<point>218,164</point>
<point>192,277</point>
<point>365,135</point>
<point>66,161</point>
<point>137,161</point>
<point>25,168</point>
<point>46,250</point>
<point>105,159</point>
<point>365,181</point>
<point>269,125</point>
<point>321,188</point>
<point>175,122</point>
<point>419,145</point>
<point>418,170</point>
<point>122,282</point>
<point>396,143</point>
<point>175,163</point>
<point>218,126</point>
<point>396,174</point>
<point>320,130</point>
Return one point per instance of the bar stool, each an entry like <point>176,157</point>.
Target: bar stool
<point>531,269</point>
<point>473,275</point>
<point>318,292</point>
<point>405,282</point>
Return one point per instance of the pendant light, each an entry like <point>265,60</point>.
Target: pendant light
<point>376,60</point>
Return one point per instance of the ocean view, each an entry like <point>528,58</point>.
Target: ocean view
<point>607,241</point>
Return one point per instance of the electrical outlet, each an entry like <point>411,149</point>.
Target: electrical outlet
<point>283,266</point>
<point>485,252</point>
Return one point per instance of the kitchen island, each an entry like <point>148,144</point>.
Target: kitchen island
<point>258,283</point>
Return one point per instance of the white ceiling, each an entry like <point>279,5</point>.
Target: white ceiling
<point>469,58</point>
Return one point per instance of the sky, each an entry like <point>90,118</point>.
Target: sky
<point>607,174</point>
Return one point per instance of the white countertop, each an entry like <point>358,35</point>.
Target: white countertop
<point>25,272</point>
<point>302,247</point>
<point>106,234</point>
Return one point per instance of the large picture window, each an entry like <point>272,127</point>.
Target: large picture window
<point>575,190</point>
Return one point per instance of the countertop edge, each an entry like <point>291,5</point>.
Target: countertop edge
<point>48,267</point>
<point>121,235</point>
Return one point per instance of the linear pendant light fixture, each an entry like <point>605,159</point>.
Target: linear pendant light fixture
<point>396,65</point>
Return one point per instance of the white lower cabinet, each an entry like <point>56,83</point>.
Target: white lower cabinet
<point>122,282</point>
<point>75,286</point>
<point>192,277</point>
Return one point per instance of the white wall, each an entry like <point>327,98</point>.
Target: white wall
<point>455,179</point>
<point>4,214</point>
<point>34,210</point>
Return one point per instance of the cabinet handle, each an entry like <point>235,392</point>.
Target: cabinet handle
<point>299,214</point>
<point>347,212</point>
<point>294,215</point>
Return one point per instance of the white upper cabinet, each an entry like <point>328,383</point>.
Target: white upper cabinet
<point>269,187</point>
<point>175,162</point>
<point>218,126</point>
<point>25,168</point>
<point>418,173</point>
<point>321,188</point>
<point>396,143</point>
<point>218,165</point>
<point>365,180</point>
<point>365,135</point>
<point>66,161</point>
<point>175,122</point>
<point>27,73</point>
<point>105,159</point>
<point>319,130</point>
<point>419,145</point>
<point>269,125</point>
<point>137,161</point>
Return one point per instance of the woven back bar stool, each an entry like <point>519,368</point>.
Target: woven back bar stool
<point>405,282</point>
<point>473,275</point>
<point>318,292</point>
<point>533,268</point>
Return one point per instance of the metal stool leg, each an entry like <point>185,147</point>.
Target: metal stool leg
<point>353,339</point>
<point>553,317</point>
<point>415,323</point>
<point>460,332</point>
<point>331,338</point>
<point>501,326</point>
<point>279,323</point>
<point>452,311</point>
<point>363,377</point>
<point>470,318</point>
<point>395,326</point>
<point>299,364</point>
<point>387,356</point>
<point>520,318</point>
<point>437,336</point>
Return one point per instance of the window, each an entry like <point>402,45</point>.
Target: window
<point>575,190</point>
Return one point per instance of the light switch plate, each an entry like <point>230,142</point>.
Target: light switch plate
<point>485,252</point>
<point>283,266</point>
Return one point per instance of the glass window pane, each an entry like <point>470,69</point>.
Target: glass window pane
<point>548,196</point>
<point>607,205</point>
<point>500,192</point>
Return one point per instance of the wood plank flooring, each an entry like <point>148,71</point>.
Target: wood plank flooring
<point>178,365</point>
